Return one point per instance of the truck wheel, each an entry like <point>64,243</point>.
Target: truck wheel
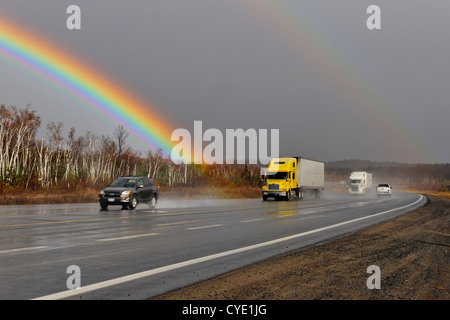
<point>288,195</point>
<point>104,206</point>
<point>133,203</point>
<point>264,198</point>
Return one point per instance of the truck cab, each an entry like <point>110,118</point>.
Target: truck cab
<point>359,182</point>
<point>280,178</point>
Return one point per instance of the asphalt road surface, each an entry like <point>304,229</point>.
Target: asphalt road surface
<point>123,254</point>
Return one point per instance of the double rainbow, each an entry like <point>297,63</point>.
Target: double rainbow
<point>35,53</point>
<point>322,52</point>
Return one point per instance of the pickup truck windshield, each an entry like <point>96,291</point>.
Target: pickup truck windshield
<point>131,183</point>
<point>278,175</point>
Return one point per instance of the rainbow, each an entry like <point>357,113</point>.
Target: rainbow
<point>43,58</point>
<point>329,61</point>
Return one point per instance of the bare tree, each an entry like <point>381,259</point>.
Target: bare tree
<point>154,162</point>
<point>18,129</point>
<point>55,147</point>
<point>121,135</point>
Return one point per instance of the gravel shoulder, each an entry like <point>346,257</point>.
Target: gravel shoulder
<point>411,251</point>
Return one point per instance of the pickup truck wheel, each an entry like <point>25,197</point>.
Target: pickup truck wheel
<point>153,201</point>
<point>104,206</point>
<point>133,203</point>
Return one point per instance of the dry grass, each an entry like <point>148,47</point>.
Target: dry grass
<point>49,197</point>
<point>90,195</point>
<point>430,192</point>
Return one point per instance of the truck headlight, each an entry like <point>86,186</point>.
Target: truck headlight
<point>126,193</point>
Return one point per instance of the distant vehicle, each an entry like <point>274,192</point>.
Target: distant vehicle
<point>384,189</point>
<point>289,177</point>
<point>129,192</point>
<point>360,182</point>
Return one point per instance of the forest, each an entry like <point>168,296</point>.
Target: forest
<point>74,161</point>
<point>69,161</point>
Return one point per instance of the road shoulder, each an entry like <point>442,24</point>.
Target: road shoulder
<point>411,252</point>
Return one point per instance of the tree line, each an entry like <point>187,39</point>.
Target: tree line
<point>74,161</point>
<point>71,161</point>
<point>435,175</point>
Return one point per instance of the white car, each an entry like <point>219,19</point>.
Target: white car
<point>384,189</point>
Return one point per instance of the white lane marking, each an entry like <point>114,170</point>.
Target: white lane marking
<point>139,275</point>
<point>252,220</point>
<point>204,227</point>
<point>22,249</point>
<point>313,217</point>
<point>309,211</point>
<point>130,237</point>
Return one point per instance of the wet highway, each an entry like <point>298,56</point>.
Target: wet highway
<point>124,254</point>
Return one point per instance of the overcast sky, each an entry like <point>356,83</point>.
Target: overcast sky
<point>312,69</point>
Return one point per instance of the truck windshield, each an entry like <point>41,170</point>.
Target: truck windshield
<point>355,181</point>
<point>278,175</point>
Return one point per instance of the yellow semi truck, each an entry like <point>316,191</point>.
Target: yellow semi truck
<point>290,177</point>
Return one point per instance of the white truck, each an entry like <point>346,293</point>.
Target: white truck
<point>289,177</point>
<point>360,182</point>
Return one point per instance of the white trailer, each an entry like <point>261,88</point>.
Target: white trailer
<point>360,182</point>
<point>310,175</point>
